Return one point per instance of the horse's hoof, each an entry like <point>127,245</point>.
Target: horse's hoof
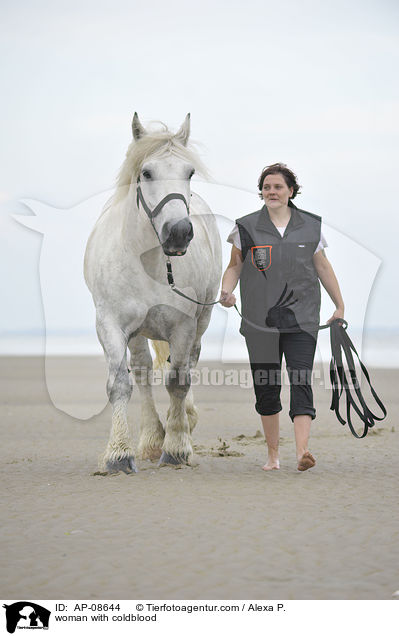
<point>171,459</point>
<point>124,464</point>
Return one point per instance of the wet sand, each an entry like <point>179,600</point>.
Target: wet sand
<point>222,529</point>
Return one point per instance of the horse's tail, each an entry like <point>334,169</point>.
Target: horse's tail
<point>162,351</point>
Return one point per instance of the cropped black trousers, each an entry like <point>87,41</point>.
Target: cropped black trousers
<point>265,354</point>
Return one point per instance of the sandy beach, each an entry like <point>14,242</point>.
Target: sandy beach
<point>221,529</point>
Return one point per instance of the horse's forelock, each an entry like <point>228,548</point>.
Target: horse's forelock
<point>154,144</point>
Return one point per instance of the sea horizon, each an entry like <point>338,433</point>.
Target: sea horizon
<point>377,347</point>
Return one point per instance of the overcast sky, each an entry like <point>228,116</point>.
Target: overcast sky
<point>312,84</point>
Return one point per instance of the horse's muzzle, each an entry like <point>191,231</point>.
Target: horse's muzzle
<point>179,235</point>
<point>168,253</point>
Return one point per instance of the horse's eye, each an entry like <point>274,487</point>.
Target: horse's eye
<point>146,174</point>
<point>191,174</point>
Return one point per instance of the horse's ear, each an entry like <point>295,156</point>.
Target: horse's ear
<point>138,129</point>
<point>183,133</point>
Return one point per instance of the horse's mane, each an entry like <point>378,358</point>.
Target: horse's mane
<point>157,143</point>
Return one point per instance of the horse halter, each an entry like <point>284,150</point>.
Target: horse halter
<point>153,213</point>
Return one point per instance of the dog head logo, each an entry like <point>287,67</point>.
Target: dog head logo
<point>26,615</point>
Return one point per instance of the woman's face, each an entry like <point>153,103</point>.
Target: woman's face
<point>275,191</point>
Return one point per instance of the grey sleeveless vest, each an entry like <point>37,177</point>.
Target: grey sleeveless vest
<point>279,286</point>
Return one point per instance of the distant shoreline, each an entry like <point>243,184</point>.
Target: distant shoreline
<point>377,348</point>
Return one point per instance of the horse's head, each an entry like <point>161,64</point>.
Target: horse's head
<point>163,188</point>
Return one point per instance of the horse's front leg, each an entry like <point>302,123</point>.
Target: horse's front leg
<point>118,454</point>
<point>151,430</point>
<point>176,448</point>
<point>191,409</point>
<point>202,325</point>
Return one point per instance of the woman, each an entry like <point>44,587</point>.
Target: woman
<point>278,255</point>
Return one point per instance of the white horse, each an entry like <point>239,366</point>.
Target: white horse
<point>152,216</point>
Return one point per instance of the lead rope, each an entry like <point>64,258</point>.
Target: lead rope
<point>340,342</point>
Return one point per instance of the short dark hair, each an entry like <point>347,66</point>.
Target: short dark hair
<point>289,177</point>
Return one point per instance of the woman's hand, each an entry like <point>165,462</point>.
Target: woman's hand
<point>227,299</point>
<point>338,313</point>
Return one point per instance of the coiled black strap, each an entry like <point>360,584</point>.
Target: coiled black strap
<point>341,345</point>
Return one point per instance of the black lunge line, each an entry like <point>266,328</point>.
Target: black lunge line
<point>340,342</point>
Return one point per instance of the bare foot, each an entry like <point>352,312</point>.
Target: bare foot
<point>272,464</point>
<point>306,461</point>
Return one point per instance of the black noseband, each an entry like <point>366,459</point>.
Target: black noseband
<point>169,197</point>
